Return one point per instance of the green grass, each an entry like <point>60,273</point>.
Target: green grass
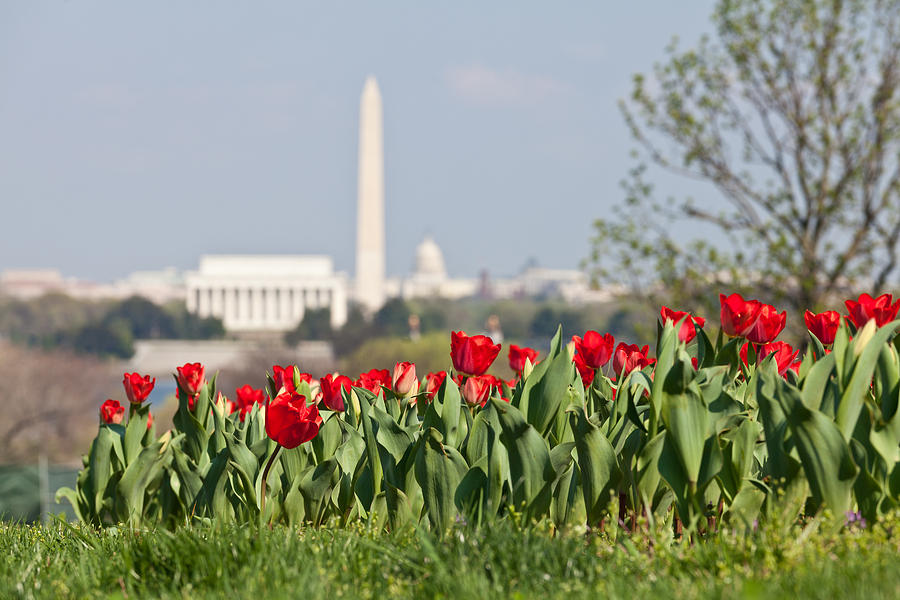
<point>61,561</point>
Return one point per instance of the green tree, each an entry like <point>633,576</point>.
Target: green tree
<point>189,326</point>
<point>112,337</point>
<point>791,115</point>
<point>316,325</point>
<point>355,331</point>
<point>548,319</point>
<point>146,319</point>
<point>393,318</point>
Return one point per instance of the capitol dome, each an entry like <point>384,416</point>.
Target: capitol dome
<point>430,260</point>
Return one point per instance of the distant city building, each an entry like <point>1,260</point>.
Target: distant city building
<point>569,285</point>
<point>429,277</point>
<point>272,293</point>
<point>31,283</point>
<point>258,293</point>
<point>157,286</point>
<point>266,292</point>
<point>166,285</point>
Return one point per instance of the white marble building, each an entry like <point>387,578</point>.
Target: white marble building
<point>161,286</point>
<point>429,277</point>
<point>265,292</point>
<point>272,292</point>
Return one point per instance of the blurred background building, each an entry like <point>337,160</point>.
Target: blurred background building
<point>272,293</point>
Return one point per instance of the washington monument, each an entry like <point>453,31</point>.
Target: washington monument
<point>370,257</point>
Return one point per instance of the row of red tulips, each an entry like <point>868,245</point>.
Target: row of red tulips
<point>291,421</point>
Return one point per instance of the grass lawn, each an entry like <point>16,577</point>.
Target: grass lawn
<point>60,561</point>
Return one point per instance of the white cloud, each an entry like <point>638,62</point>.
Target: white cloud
<point>484,86</point>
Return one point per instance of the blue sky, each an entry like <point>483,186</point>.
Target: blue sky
<point>137,136</point>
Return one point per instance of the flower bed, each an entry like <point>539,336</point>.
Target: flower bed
<point>703,433</point>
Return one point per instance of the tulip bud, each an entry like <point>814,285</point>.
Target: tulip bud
<point>476,390</point>
<point>404,381</point>
<point>527,369</point>
<point>190,378</point>
<point>220,405</point>
<point>164,440</point>
<point>354,400</point>
<point>864,336</point>
<point>332,387</point>
<point>137,387</point>
<point>111,412</point>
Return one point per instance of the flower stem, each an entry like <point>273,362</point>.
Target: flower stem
<point>262,489</point>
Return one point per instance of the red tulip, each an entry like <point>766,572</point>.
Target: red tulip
<point>743,354</point>
<point>686,332</point>
<point>472,355</point>
<point>518,355</point>
<point>332,387</point>
<point>823,325</point>
<point>587,372</point>
<point>595,349</point>
<point>629,357</point>
<point>768,325</point>
<point>137,388</point>
<point>190,378</point>
<point>290,421</point>
<point>784,355</point>
<point>284,378</point>
<point>867,308</point>
<point>149,419</point>
<point>373,380</point>
<point>433,382</point>
<point>111,412</point>
<point>477,389</point>
<point>247,397</point>
<point>738,315</point>
<point>404,381</point>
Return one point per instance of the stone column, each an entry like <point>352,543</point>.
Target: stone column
<point>271,308</point>
<point>298,305</point>
<point>191,300</point>
<point>203,304</point>
<point>227,306</point>
<point>217,301</point>
<point>259,307</point>
<point>248,314</point>
<point>285,316</point>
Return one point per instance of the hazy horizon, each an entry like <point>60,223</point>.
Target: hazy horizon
<point>140,137</point>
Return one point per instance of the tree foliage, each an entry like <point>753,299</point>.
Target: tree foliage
<point>105,328</point>
<point>791,115</point>
<point>49,401</point>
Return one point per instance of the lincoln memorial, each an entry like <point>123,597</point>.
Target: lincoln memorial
<point>265,292</point>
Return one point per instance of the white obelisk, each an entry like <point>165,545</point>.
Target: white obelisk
<point>370,201</point>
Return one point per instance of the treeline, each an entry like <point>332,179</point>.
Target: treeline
<point>388,336</point>
<point>103,328</point>
<point>519,319</point>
